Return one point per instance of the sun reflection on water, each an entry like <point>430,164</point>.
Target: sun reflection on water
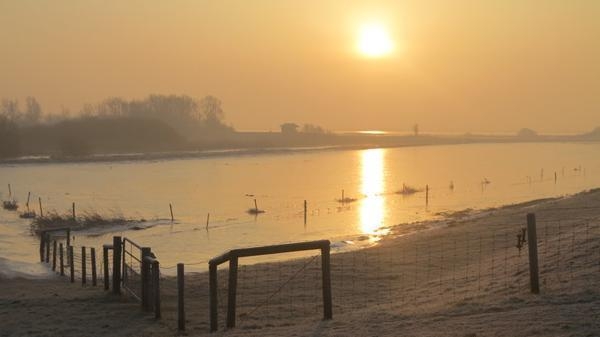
<point>373,208</point>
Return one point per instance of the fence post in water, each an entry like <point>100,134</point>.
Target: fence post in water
<point>74,218</point>
<point>326,275</point>
<point>533,256</point>
<point>105,262</point>
<point>83,266</point>
<point>145,276</point>
<point>305,209</point>
<point>71,264</point>
<point>62,262</point>
<point>42,243</point>
<point>231,296</point>
<point>117,264</point>
<point>41,211</point>
<point>212,268</point>
<point>68,236</point>
<point>180,297</point>
<point>54,255</point>
<point>156,282</point>
<point>171,209</point>
<point>93,257</point>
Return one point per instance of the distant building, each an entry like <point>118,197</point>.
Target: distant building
<point>289,128</point>
<point>526,133</point>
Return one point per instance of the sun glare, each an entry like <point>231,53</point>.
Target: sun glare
<point>374,41</point>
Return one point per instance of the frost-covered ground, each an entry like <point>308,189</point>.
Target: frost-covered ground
<point>462,276</point>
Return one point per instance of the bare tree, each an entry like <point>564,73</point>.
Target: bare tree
<point>10,109</point>
<point>33,111</point>
<point>210,106</point>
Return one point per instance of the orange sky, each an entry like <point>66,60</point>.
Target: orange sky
<point>457,66</point>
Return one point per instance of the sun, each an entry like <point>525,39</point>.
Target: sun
<point>374,41</point>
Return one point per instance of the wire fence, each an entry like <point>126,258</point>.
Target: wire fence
<point>411,273</point>
<point>417,273</point>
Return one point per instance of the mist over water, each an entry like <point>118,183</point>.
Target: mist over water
<point>226,186</point>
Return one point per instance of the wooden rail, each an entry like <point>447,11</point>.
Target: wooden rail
<point>232,257</point>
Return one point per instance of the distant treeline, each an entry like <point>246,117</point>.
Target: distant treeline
<point>171,123</point>
<point>115,125</point>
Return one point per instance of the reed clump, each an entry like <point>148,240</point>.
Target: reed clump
<point>10,205</point>
<point>88,220</point>
<point>408,190</point>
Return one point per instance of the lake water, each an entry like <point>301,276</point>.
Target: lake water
<point>226,186</point>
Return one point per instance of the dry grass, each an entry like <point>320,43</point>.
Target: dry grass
<point>408,190</point>
<point>10,205</point>
<point>88,220</point>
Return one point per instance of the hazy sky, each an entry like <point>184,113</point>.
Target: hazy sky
<point>456,66</point>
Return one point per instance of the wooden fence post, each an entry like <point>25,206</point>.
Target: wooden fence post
<point>83,266</point>
<point>61,258</point>
<point>305,211</point>
<point>326,275</point>
<point>105,262</point>
<point>156,283</point>
<point>42,243</point>
<point>93,257</point>
<point>54,255</point>
<point>214,325</point>
<point>533,255</point>
<point>117,264</point>
<point>68,236</point>
<point>231,296</point>
<point>145,278</point>
<point>47,242</point>
<point>71,264</point>
<point>180,297</point>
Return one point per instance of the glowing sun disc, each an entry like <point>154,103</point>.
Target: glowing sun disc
<point>374,41</point>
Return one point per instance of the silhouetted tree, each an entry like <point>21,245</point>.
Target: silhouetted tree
<point>9,138</point>
<point>10,109</point>
<point>33,111</point>
<point>311,128</point>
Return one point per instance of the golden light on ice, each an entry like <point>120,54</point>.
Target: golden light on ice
<point>372,209</point>
<point>374,41</point>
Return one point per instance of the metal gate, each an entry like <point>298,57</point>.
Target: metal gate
<point>132,268</point>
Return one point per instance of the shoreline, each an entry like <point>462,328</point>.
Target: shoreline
<point>354,243</point>
<point>267,150</point>
<point>375,292</point>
